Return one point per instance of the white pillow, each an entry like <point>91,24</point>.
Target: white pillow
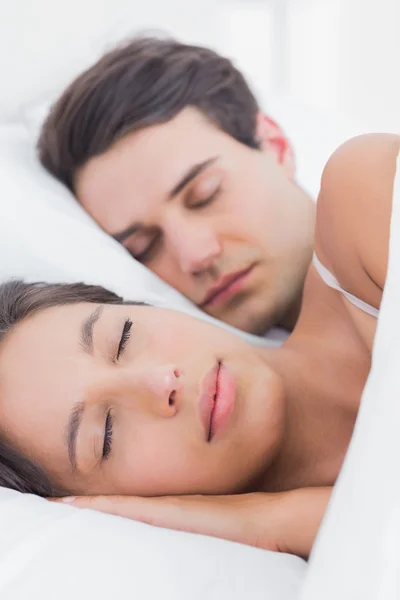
<point>314,135</point>
<point>52,551</point>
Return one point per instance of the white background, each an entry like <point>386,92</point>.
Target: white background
<point>333,55</point>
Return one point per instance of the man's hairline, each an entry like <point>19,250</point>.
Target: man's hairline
<point>204,116</point>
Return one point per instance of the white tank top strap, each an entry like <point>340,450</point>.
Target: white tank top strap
<point>333,283</point>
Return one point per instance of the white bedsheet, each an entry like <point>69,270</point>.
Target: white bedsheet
<point>50,551</point>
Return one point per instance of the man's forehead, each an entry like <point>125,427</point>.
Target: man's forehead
<point>155,141</point>
<point>154,153</point>
<point>129,182</point>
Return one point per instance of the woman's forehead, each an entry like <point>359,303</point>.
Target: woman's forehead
<point>39,360</point>
<point>33,334</point>
<point>40,382</point>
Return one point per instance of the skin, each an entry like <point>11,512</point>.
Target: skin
<point>295,406</point>
<point>242,210</point>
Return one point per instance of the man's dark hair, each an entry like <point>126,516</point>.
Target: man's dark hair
<point>19,301</point>
<point>141,83</point>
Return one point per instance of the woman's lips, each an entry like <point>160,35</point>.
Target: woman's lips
<point>217,400</point>
<point>207,398</point>
<point>224,402</point>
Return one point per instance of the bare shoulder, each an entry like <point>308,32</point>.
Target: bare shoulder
<point>354,213</point>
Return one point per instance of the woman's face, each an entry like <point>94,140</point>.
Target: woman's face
<point>138,400</point>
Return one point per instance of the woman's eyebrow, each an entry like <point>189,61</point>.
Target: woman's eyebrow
<point>74,422</point>
<point>76,414</point>
<point>86,337</point>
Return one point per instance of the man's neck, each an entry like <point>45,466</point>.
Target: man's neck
<point>289,319</point>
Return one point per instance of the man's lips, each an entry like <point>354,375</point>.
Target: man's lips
<point>217,400</point>
<point>226,287</point>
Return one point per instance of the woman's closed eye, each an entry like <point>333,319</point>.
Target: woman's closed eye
<point>108,426</point>
<point>125,335</point>
<point>108,434</point>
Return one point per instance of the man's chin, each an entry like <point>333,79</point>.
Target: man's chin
<point>247,321</point>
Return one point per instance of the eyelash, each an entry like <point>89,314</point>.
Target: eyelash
<point>146,254</point>
<point>126,334</point>
<point>108,431</point>
<point>108,428</point>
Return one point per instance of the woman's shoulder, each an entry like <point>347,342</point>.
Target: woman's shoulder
<point>354,212</point>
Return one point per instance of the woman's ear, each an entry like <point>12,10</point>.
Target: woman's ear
<point>272,139</point>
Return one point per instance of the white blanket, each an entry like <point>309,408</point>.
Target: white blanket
<point>357,555</point>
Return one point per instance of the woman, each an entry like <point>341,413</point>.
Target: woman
<point>127,400</point>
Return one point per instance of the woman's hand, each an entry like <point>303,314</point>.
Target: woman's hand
<point>282,522</point>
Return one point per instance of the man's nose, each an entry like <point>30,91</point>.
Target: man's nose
<point>195,246</point>
<point>155,388</point>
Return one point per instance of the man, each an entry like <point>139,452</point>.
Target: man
<point>166,147</point>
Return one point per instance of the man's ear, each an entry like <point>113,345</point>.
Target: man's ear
<point>272,139</point>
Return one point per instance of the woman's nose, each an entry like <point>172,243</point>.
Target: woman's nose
<point>157,388</point>
<point>163,383</point>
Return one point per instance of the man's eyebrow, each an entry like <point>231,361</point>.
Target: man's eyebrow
<point>195,170</point>
<point>86,338</point>
<point>74,422</point>
<point>190,175</point>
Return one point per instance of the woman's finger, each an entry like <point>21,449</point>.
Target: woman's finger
<point>218,516</point>
<point>155,511</point>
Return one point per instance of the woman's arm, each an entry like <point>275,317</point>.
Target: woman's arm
<point>301,519</point>
<point>354,213</point>
<point>282,522</point>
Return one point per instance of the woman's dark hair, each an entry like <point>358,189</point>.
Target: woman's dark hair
<point>19,301</point>
<point>144,82</point>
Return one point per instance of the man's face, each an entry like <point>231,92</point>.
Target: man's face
<point>222,223</point>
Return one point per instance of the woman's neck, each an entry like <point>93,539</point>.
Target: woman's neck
<point>323,366</point>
